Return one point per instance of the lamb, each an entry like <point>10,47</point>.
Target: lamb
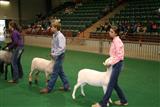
<point>5,60</point>
<point>94,78</point>
<point>5,56</point>
<point>40,64</point>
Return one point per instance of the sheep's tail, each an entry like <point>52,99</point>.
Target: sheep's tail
<point>32,69</point>
<point>80,75</point>
<point>30,76</point>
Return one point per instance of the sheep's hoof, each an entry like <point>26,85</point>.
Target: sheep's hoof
<point>47,81</point>
<point>83,95</point>
<point>36,82</point>
<point>107,104</point>
<point>110,101</point>
<point>73,97</point>
<point>30,83</point>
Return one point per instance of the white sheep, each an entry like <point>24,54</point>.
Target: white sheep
<point>40,64</point>
<point>5,56</point>
<point>94,78</point>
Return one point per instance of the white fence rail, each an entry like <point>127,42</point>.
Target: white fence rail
<point>142,50</point>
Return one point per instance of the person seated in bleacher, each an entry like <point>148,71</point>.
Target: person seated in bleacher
<point>154,27</point>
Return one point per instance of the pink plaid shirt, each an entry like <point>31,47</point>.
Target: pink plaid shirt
<point>116,51</point>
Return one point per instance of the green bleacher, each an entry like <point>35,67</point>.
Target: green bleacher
<point>139,12</point>
<point>84,16</point>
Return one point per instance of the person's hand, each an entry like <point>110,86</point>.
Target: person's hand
<point>7,49</point>
<point>108,65</point>
<point>52,56</point>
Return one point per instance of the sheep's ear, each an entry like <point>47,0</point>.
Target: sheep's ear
<point>104,64</point>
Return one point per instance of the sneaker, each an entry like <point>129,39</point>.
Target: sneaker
<point>13,81</point>
<point>96,105</point>
<point>119,103</point>
<point>44,91</point>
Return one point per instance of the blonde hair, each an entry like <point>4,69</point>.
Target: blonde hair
<point>56,23</point>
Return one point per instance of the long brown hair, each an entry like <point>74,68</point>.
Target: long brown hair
<point>116,30</point>
<point>15,26</point>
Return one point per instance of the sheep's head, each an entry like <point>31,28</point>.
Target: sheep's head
<point>107,61</point>
<point>109,68</point>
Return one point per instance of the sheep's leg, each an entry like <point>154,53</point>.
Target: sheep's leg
<point>104,89</point>
<point>82,89</point>
<point>74,91</point>
<point>110,101</point>
<point>5,68</point>
<point>36,77</point>
<point>47,78</point>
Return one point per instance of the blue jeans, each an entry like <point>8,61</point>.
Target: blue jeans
<point>113,84</point>
<point>15,62</point>
<point>58,71</point>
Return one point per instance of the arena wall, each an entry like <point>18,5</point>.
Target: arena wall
<point>148,51</point>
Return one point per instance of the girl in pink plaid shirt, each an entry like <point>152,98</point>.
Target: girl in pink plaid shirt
<point>117,53</point>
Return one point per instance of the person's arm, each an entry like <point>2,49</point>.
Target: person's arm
<point>119,52</point>
<point>14,42</point>
<point>61,46</point>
